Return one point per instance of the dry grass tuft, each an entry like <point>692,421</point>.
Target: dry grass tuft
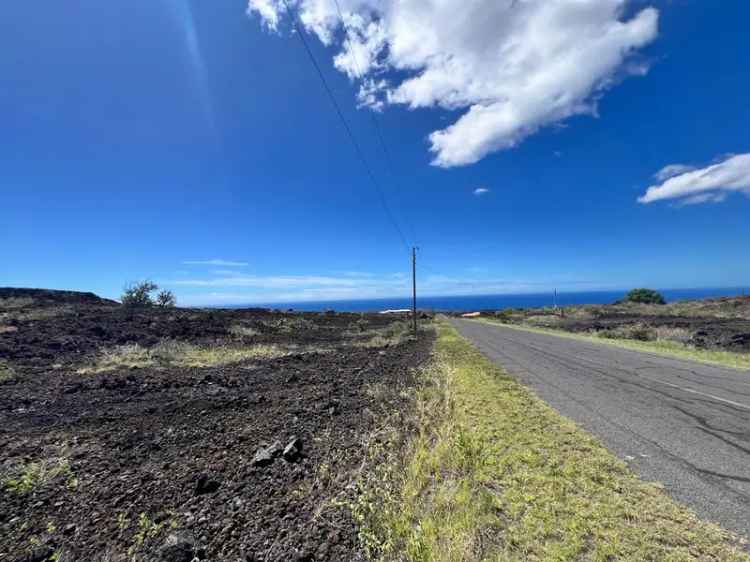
<point>14,303</point>
<point>637,331</point>
<point>291,325</point>
<point>172,353</point>
<point>241,331</point>
<point>391,335</point>
<point>679,335</point>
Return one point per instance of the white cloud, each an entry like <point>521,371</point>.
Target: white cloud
<point>270,282</point>
<point>481,191</point>
<point>216,263</point>
<point>710,184</point>
<point>672,170</point>
<point>512,66</point>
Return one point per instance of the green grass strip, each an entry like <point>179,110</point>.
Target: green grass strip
<point>495,474</point>
<point>659,347</point>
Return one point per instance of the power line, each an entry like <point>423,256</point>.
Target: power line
<point>299,29</point>
<point>373,116</point>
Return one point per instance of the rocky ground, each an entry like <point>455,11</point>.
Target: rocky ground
<point>112,451</point>
<point>722,323</point>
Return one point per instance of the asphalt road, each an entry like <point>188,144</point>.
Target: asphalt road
<point>680,423</point>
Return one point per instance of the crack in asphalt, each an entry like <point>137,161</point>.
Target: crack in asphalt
<point>690,435</point>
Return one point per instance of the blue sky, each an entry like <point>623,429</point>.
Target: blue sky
<point>191,143</point>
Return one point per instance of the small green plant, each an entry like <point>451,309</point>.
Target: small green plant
<point>6,372</point>
<point>147,528</point>
<point>37,474</point>
<point>645,296</point>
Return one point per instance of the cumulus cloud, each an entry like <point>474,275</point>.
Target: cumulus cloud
<point>216,263</point>
<point>710,184</point>
<point>481,191</point>
<point>511,67</point>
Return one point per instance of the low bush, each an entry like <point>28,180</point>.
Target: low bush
<point>645,296</point>
<point>166,299</point>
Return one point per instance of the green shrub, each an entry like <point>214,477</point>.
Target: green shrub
<point>139,294</point>
<point>645,296</point>
<point>166,299</point>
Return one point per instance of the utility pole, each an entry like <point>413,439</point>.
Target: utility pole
<point>414,288</point>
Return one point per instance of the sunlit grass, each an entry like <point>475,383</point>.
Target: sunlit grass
<point>493,473</point>
<point>178,354</point>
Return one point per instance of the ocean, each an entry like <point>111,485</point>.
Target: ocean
<point>496,302</point>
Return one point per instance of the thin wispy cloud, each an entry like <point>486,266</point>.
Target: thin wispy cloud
<point>688,185</point>
<point>511,67</point>
<point>672,170</point>
<point>481,191</point>
<point>216,263</point>
<point>275,281</point>
<point>248,289</point>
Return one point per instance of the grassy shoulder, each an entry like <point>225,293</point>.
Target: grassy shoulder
<point>662,347</point>
<point>492,473</point>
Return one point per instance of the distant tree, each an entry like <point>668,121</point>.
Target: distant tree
<point>645,296</point>
<point>166,299</point>
<point>139,294</point>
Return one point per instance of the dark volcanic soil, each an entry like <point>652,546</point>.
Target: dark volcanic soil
<point>160,463</point>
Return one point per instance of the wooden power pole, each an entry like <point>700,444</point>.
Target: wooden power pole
<point>414,289</point>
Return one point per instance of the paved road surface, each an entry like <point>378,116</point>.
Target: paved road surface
<point>684,424</point>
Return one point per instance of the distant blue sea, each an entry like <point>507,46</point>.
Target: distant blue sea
<point>496,302</point>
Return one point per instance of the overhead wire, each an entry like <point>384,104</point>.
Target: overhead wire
<point>373,116</point>
<point>299,30</point>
